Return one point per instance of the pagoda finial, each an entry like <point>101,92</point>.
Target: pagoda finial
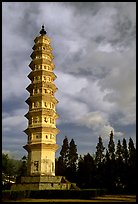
<point>42,31</point>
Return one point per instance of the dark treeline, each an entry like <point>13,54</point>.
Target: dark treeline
<point>113,168</point>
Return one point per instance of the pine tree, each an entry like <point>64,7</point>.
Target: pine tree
<point>111,147</point>
<point>124,151</point>
<point>107,158</point>
<point>111,165</point>
<point>73,155</point>
<point>119,151</point>
<point>125,168</point>
<point>100,152</point>
<point>131,166</point>
<point>65,152</point>
<point>86,171</point>
<point>119,168</point>
<point>131,153</point>
<point>59,167</point>
<point>80,172</point>
<point>72,162</point>
<point>62,161</point>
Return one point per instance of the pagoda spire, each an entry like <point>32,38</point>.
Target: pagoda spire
<point>42,31</point>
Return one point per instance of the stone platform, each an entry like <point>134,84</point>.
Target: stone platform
<point>44,183</point>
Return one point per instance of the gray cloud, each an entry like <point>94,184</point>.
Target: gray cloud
<point>94,48</point>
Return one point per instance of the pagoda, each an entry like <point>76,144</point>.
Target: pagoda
<point>41,130</point>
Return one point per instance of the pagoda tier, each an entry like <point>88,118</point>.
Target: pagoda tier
<point>41,131</point>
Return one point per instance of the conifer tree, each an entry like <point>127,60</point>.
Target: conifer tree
<point>131,166</point>
<point>119,167</point>
<point>111,147</point>
<point>86,171</point>
<point>59,167</point>
<point>107,158</point>
<point>73,155</point>
<point>119,151</point>
<point>72,162</point>
<point>65,152</point>
<point>62,161</point>
<point>131,152</point>
<point>100,151</point>
<point>124,151</point>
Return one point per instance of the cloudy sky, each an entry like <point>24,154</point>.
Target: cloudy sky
<point>94,49</point>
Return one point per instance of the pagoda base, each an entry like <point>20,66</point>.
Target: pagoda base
<point>44,183</point>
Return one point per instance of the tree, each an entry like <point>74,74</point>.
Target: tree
<point>119,167</point>
<point>9,166</point>
<point>65,152</point>
<point>107,158</point>
<point>131,153</point>
<point>72,161</point>
<point>23,167</point>
<point>111,147</point>
<point>80,172</point>
<point>100,152</point>
<point>60,168</point>
<point>73,155</point>
<point>110,165</point>
<point>22,170</point>
<point>5,160</point>
<point>124,168</point>
<point>86,172</point>
<point>9,170</point>
<point>124,151</point>
<point>131,166</point>
<point>62,161</point>
<point>119,151</point>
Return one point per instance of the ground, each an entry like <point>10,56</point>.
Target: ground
<point>106,198</point>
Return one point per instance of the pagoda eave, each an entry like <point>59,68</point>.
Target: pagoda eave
<point>36,73</point>
<point>45,129</point>
<point>29,147</point>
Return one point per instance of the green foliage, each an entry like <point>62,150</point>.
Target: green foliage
<point>72,162</point>
<point>131,153</point>
<point>131,166</point>
<point>73,155</point>
<point>12,169</point>
<point>114,170</point>
<point>22,171</point>
<point>124,151</point>
<point>59,167</point>
<point>119,151</point>
<point>99,152</point>
<point>66,164</point>
<point>86,171</point>
<point>111,147</point>
<point>65,152</point>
